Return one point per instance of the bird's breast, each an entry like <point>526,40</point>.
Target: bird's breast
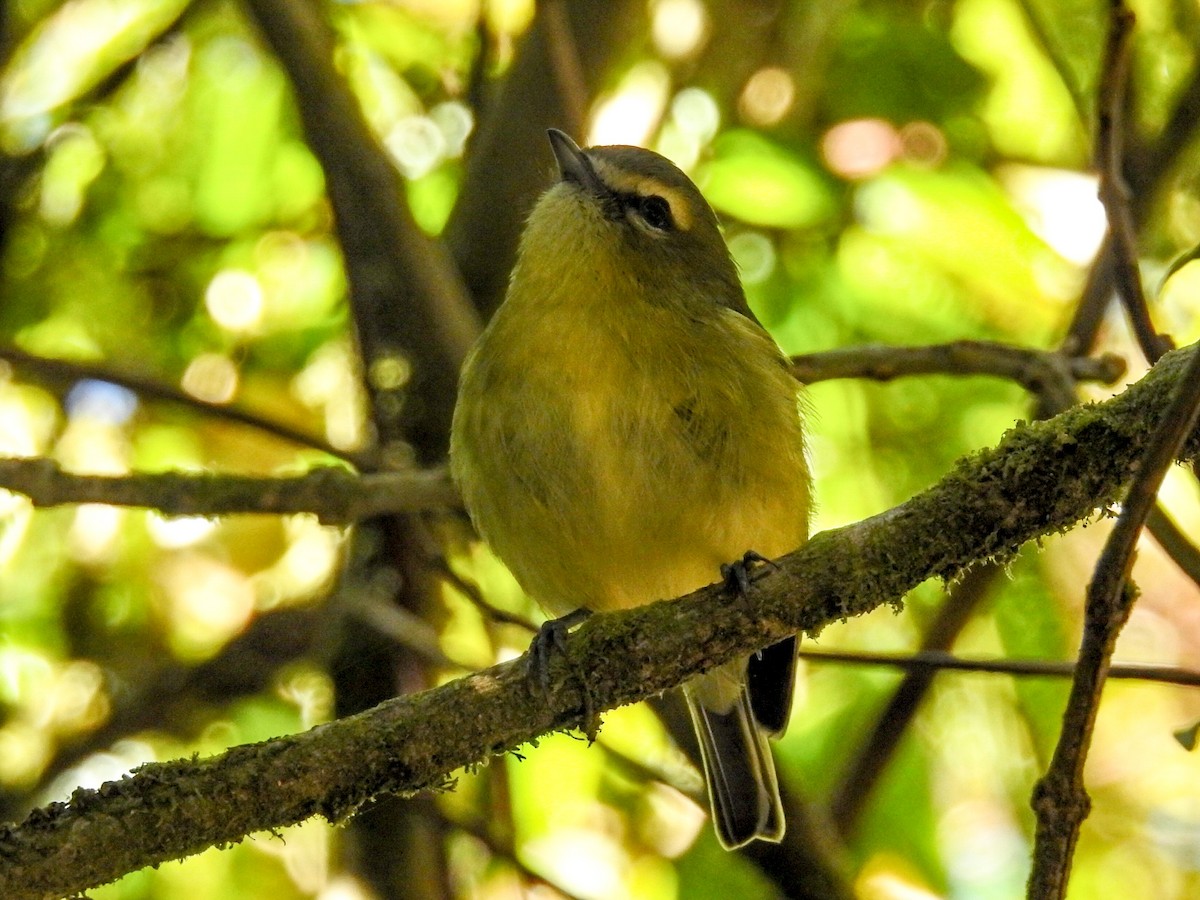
<point>629,460</point>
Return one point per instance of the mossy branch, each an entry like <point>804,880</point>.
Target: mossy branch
<point>1042,478</point>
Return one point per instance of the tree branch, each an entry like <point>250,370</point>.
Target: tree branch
<point>1114,192</point>
<point>334,495</point>
<point>338,497</point>
<point>1040,479</point>
<point>940,661</point>
<point>1060,800</point>
<point>1039,371</point>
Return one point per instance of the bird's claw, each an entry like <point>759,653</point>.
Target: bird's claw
<point>552,638</point>
<point>738,575</point>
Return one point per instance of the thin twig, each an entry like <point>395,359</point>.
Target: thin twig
<point>334,495</point>
<point>1174,543</point>
<point>1114,192</point>
<point>71,371</point>
<point>938,661</point>
<point>441,567</point>
<point>1060,800</point>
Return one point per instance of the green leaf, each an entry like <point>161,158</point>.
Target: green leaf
<point>759,182</point>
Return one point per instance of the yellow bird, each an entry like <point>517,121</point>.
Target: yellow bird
<point>625,427</point>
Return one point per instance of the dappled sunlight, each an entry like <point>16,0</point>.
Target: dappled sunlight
<point>1062,207</point>
<point>181,247</point>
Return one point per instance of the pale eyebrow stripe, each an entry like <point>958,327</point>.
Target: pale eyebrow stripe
<point>643,185</point>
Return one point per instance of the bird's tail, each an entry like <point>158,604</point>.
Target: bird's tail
<point>742,786</point>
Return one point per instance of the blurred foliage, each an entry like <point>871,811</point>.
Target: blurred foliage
<point>887,172</point>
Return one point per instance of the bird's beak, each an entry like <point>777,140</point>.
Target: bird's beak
<point>574,165</point>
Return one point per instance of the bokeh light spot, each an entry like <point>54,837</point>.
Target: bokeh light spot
<point>390,373</point>
<point>754,254</point>
<point>92,539</point>
<point>211,377</point>
<point>923,143</point>
<point>234,299</point>
<point>630,114</point>
<point>101,401</point>
<point>455,121</point>
<point>860,148</point>
<point>208,603</point>
<point>417,144</point>
<point>696,113</point>
<point>1061,207</point>
<point>678,27</point>
<point>767,96</point>
<point>176,532</point>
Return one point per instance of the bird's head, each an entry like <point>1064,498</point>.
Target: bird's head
<point>626,223</point>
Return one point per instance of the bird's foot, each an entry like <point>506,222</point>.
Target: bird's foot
<point>740,574</point>
<point>552,638</point>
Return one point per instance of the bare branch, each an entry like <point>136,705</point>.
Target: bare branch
<point>938,661</point>
<point>1114,192</point>
<point>335,496</point>
<point>1039,371</point>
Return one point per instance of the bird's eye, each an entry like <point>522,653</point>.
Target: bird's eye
<point>655,211</point>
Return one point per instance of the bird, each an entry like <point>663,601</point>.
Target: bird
<point>625,427</point>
